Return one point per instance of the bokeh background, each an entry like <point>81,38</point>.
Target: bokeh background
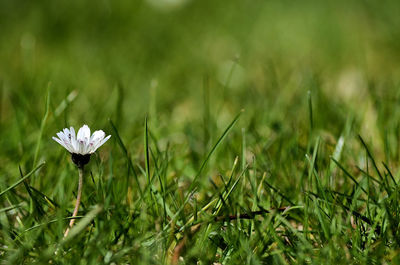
<point>192,65</point>
<point>299,69</point>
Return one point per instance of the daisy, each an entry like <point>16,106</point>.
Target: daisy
<point>82,145</point>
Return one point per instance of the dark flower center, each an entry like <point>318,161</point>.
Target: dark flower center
<point>80,160</point>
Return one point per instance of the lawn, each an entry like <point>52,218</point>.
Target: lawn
<point>242,132</point>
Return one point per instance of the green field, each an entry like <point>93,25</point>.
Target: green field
<point>243,132</point>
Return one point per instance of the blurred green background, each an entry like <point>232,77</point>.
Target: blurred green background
<point>159,53</point>
<point>94,47</point>
<point>192,65</point>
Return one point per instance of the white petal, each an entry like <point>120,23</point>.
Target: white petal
<point>68,136</point>
<point>65,138</point>
<point>62,144</point>
<point>81,147</point>
<point>84,132</point>
<point>61,135</point>
<point>97,135</point>
<point>73,139</point>
<point>66,132</point>
<point>59,141</point>
<point>82,143</point>
<point>71,129</point>
<point>101,143</point>
<point>95,140</point>
<point>87,147</point>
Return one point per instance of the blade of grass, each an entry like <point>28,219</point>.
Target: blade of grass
<point>22,179</point>
<point>34,201</point>
<point>42,125</point>
<point>353,179</point>
<point>310,111</point>
<point>372,159</point>
<point>146,151</point>
<point>192,187</point>
<point>127,156</point>
<point>87,219</point>
<point>390,173</point>
<point>194,182</point>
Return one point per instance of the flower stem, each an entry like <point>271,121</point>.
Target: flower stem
<point>78,201</point>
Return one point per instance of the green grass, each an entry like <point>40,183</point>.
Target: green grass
<point>243,132</point>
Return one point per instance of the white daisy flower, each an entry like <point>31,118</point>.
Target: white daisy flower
<point>82,145</point>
